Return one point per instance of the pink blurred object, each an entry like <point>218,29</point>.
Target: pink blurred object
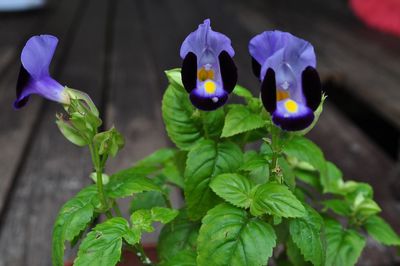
<point>383,15</point>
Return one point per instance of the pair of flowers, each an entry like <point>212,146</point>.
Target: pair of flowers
<point>285,65</point>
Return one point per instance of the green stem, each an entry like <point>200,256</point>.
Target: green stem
<point>99,176</point>
<point>275,153</point>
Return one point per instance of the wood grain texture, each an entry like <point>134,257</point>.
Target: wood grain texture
<point>55,169</point>
<point>17,127</point>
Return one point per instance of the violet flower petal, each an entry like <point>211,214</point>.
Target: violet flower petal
<point>208,71</point>
<point>34,75</point>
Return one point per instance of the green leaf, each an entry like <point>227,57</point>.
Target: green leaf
<point>142,219</point>
<point>174,77</point>
<point>163,215</point>
<point>69,132</point>
<point>102,246</point>
<point>109,142</point>
<point>74,217</point>
<point>179,235</point>
<point>276,199</point>
<point>306,151</point>
<point>243,92</point>
<point>333,182</point>
<point>206,160</point>
<point>147,200</point>
<point>256,166</point>
<point>127,182</point>
<point>213,122</point>
<point>230,237</point>
<point>294,254</point>
<point>183,258</point>
<point>241,119</point>
<point>306,234</point>
<point>173,175</point>
<point>365,207</point>
<point>234,188</point>
<point>381,231</point>
<point>287,173</point>
<point>338,206</point>
<point>157,158</point>
<point>344,246</point>
<point>309,177</point>
<point>178,113</point>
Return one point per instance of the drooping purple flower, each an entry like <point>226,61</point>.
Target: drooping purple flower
<point>208,71</point>
<point>34,77</point>
<point>290,84</point>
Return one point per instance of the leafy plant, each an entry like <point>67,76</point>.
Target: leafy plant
<point>280,201</point>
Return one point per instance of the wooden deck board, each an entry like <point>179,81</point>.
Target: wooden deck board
<point>55,169</point>
<point>17,127</point>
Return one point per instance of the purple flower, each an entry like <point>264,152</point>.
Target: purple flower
<point>34,77</point>
<point>208,71</point>
<point>291,88</point>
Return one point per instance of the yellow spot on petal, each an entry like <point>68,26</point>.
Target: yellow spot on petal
<point>282,95</point>
<point>210,87</point>
<point>204,74</point>
<point>291,106</point>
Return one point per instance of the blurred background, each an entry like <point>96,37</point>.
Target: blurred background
<point>117,50</point>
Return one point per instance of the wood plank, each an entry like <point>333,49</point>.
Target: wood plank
<point>17,127</point>
<point>55,169</point>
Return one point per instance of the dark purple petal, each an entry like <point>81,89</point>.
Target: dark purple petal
<point>256,67</point>
<point>228,71</point>
<point>37,55</point>
<point>189,72</point>
<point>293,118</point>
<point>205,38</point>
<point>268,91</point>
<point>22,88</point>
<point>312,89</point>
<point>208,102</point>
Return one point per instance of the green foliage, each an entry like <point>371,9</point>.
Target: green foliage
<point>237,238</point>
<point>305,150</point>
<point>381,231</point>
<point>306,233</point>
<point>142,219</point>
<point>256,166</point>
<point>127,182</point>
<point>74,217</point>
<point>344,246</point>
<point>241,119</point>
<point>207,160</point>
<point>176,237</point>
<point>235,189</point>
<point>183,258</point>
<point>186,125</point>
<point>70,132</point>
<point>109,142</point>
<point>240,202</point>
<point>102,246</point>
<point>277,200</point>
